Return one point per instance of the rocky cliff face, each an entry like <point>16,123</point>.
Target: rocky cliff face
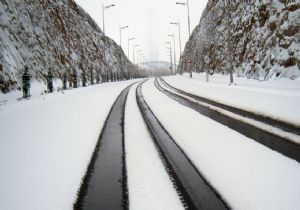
<point>37,33</point>
<point>256,38</point>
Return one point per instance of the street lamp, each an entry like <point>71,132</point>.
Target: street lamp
<point>134,46</point>
<point>121,29</point>
<point>188,11</point>
<point>172,35</point>
<point>103,16</point>
<point>169,53</point>
<point>178,24</point>
<point>170,50</point>
<point>129,39</point>
<point>137,57</point>
<point>142,60</point>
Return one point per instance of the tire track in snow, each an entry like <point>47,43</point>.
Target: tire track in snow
<point>105,183</point>
<point>267,120</point>
<point>146,173</point>
<point>195,191</point>
<point>274,142</point>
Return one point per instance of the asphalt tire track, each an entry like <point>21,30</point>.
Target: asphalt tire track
<point>104,185</point>
<point>274,142</point>
<point>195,190</point>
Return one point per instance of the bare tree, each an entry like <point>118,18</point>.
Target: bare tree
<point>230,43</point>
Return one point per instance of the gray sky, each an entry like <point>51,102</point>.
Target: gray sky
<point>148,21</point>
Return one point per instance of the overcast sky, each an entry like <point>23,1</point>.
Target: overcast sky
<point>148,21</point>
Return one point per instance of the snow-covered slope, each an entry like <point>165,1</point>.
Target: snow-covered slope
<point>258,39</point>
<point>36,33</point>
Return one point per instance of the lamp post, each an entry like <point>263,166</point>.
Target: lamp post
<point>138,54</point>
<point>170,55</point>
<point>103,15</point>
<point>121,29</point>
<point>170,50</point>
<point>129,39</point>
<point>178,24</point>
<point>188,11</point>
<point>174,50</point>
<point>134,46</point>
<point>142,58</point>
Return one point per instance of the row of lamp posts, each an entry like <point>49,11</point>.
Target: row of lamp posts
<point>136,58</point>
<point>169,48</point>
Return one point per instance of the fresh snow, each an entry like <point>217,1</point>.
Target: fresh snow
<point>148,182</point>
<point>279,99</point>
<point>247,174</point>
<point>46,144</point>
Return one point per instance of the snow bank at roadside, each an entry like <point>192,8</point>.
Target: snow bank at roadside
<point>279,99</point>
<point>148,183</point>
<point>46,144</point>
<point>247,174</point>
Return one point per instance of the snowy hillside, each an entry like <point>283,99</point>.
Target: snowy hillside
<point>258,39</point>
<point>37,33</point>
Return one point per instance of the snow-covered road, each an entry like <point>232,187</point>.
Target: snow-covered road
<point>149,184</point>
<point>276,99</point>
<point>277,135</point>
<point>46,144</point>
<point>246,174</point>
